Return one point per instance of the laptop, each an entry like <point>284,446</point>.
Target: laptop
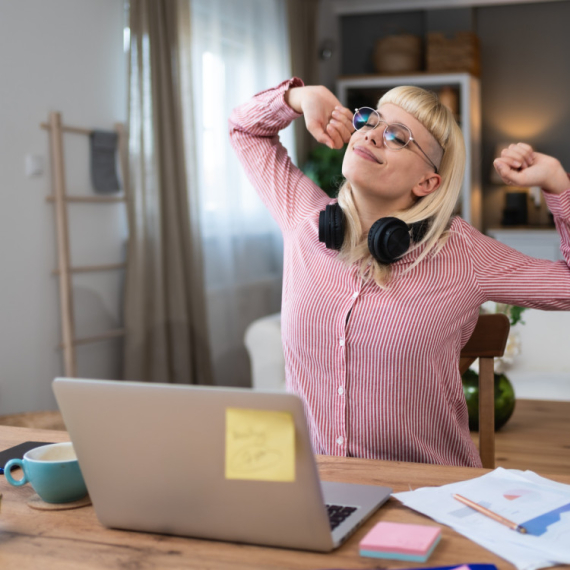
<point>154,459</point>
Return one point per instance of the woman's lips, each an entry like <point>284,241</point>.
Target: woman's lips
<point>366,154</point>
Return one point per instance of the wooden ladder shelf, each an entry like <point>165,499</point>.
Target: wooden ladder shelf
<point>64,271</point>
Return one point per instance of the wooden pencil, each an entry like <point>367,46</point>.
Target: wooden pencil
<point>512,525</point>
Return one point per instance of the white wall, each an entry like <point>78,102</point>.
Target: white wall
<point>542,369</point>
<point>544,342</point>
<point>67,56</point>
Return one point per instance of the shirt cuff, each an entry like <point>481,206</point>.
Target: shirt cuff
<point>282,111</point>
<point>559,204</point>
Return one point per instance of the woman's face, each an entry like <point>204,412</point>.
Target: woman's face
<point>393,178</point>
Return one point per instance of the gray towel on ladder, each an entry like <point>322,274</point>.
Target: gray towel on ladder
<point>103,163</point>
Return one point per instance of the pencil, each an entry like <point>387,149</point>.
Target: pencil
<point>512,525</point>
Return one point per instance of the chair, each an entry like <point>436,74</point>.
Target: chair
<point>489,338</point>
<point>488,341</point>
<point>263,343</point>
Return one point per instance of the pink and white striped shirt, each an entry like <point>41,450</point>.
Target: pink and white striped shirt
<point>378,369</point>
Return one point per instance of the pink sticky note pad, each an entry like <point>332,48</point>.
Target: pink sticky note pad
<point>399,538</point>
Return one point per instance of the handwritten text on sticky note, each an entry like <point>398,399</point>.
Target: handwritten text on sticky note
<point>260,445</point>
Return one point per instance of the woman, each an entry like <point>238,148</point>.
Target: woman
<point>372,326</point>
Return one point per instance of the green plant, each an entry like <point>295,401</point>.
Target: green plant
<point>512,311</point>
<point>324,168</point>
<point>515,314</point>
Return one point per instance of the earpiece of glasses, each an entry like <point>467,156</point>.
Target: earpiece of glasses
<point>395,136</point>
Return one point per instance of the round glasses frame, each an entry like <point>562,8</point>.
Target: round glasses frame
<point>386,133</point>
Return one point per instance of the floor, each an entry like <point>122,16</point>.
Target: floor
<point>537,438</point>
<point>38,420</point>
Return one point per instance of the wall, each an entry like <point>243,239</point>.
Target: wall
<point>525,90</point>
<point>525,85</point>
<point>61,55</point>
<point>525,80</point>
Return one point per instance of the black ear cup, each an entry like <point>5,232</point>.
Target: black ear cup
<point>388,239</point>
<point>331,226</point>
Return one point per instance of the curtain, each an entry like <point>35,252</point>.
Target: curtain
<point>234,49</point>
<point>302,25</point>
<point>166,327</point>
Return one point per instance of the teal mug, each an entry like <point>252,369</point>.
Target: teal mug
<point>52,470</point>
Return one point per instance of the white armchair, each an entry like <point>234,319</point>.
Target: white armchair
<point>263,343</point>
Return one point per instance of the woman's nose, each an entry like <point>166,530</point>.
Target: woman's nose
<point>371,137</point>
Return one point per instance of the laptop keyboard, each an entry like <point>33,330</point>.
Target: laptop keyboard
<point>338,513</point>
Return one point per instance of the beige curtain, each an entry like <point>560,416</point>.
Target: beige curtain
<point>302,19</point>
<point>166,333</point>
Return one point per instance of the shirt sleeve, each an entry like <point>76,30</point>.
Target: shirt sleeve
<point>289,195</point>
<point>506,275</point>
<point>559,206</point>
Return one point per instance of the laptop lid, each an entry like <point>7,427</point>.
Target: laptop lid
<point>154,459</point>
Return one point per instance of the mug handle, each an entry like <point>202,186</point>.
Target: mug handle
<point>8,474</point>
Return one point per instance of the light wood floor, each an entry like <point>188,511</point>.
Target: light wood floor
<point>537,437</point>
<point>37,420</point>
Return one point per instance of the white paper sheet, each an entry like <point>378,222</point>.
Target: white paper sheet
<point>541,505</point>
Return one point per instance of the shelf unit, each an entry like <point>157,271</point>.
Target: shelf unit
<point>365,90</point>
<point>543,243</point>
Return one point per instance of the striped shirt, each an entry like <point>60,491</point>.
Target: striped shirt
<point>377,369</point>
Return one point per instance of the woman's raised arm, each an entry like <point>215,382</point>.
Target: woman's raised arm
<point>519,164</point>
<point>289,195</point>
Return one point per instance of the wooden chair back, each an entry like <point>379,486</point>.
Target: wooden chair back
<point>488,341</point>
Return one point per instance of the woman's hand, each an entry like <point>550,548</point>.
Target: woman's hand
<point>521,166</point>
<point>326,119</point>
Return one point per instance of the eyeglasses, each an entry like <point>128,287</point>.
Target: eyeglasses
<point>395,136</point>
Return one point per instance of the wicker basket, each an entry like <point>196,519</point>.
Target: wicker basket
<point>459,53</point>
<point>398,54</point>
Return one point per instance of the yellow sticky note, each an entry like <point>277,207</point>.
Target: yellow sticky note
<point>260,445</point>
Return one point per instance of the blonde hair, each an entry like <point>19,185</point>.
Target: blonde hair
<point>437,207</point>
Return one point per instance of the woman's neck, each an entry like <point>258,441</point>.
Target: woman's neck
<point>372,208</point>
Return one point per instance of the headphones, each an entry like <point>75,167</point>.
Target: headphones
<point>388,239</point>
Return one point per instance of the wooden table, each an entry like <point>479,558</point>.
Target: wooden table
<point>75,540</point>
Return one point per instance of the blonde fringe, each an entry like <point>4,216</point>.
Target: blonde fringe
<point>437,206</point>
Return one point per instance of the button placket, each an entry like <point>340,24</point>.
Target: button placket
<point>341,402</point>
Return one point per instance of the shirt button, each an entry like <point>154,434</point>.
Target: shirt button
<point>341,390</point>
<point>341,342</point>
<point>340,440</point>
<point>355,294</point>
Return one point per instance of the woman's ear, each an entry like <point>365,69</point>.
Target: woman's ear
<point>428,184</point>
